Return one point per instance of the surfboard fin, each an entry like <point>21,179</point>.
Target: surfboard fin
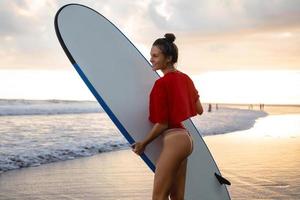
<point>222,180</point>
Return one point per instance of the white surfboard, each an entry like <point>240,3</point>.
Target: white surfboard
<point>121,79</point>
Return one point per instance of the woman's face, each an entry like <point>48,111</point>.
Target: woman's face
<point>158,59</point>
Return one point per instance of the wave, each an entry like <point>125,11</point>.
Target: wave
<point>34,140</point>
<point>47,107</point>
<point>43,156</point>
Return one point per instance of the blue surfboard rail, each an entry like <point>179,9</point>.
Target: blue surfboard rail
<point>111,115</point>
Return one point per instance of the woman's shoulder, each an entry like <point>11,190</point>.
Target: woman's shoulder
<point>171,77</point>
<point>159,83</point>
<point>177,74</point>
<point>185,76</point>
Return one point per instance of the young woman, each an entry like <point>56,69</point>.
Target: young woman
<point>173,99</point>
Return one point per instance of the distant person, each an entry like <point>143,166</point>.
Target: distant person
<point>209,108</point>
<point>173,99</point>
<point>261,106</point>
<point>251,107</point>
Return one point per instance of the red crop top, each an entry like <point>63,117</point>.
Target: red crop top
<point>173,99</point>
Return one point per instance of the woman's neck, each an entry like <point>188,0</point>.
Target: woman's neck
<point>168,69</point>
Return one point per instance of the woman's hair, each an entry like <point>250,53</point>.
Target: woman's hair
<point>167,46</point>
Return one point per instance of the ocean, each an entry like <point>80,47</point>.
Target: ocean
<point>36,132</point>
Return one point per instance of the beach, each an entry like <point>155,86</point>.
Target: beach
<point>75,95</point>
<point>262,162</point>
<point>265,168</point>
<point>112,175</point>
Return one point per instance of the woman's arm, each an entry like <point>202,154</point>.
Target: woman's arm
<point>156,130</point>
<point>199,107</point>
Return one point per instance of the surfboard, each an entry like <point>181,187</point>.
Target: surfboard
<point>121,79</point>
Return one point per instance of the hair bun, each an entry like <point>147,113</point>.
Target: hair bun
<point>170,37</point>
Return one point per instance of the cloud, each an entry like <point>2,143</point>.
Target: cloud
<point>217,16</point>
<point>27,32</point>
<point>11,22</point>
<point>27,35</point>
<point>272,13</point>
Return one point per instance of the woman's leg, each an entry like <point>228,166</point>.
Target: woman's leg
<point>176,148</point>
<point>178,187</point>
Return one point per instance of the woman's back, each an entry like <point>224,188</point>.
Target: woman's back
<point>173,99</point>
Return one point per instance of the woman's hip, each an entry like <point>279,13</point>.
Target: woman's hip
<point>178,140</point>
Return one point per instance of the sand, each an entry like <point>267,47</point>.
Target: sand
<point>258,167</point>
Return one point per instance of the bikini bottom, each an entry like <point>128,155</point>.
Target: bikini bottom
<point>173,131</point>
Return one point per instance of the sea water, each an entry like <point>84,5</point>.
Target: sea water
<point>43,131</point>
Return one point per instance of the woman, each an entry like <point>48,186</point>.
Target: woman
<point>173,99</point>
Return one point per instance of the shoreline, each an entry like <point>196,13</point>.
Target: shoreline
<point>195,121</point>
<point>47,154</point>
<point>250,163</point>
<point>271,109</point>
<point>248,160</point>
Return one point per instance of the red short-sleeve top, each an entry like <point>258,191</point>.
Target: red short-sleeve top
<point>173,99</point>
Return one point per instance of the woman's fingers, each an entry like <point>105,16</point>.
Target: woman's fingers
<point>137,148</point>
<point>133,145</point>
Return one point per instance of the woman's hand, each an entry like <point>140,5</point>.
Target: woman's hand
<point>138,148</point>
<point>157,129</point>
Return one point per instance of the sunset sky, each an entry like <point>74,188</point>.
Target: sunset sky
<point>212,35</point>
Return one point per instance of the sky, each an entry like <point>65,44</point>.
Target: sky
<point>213,36</point>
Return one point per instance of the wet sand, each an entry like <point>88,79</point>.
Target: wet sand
<point>113,175</point>
<point>259,167</point>
<point>261,163</point>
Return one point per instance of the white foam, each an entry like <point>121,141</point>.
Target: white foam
<point>46,107</point>
<point>30,136</point>
<point>226,120</point>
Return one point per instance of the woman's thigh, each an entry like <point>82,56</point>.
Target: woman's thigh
<point>176,148</point>
<point>178,187</point>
